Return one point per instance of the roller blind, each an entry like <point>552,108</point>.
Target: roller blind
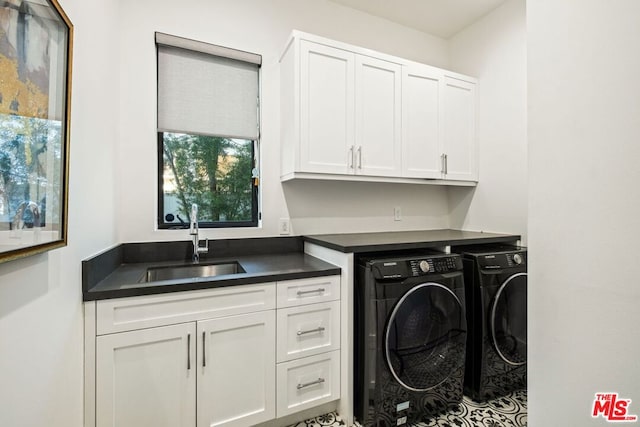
<point>206,89</point>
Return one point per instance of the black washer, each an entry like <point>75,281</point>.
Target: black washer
<point>496,298</point>
<point>410,337</point>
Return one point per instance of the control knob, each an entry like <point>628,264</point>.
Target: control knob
<point>424,266</point>
<point>517,259</point>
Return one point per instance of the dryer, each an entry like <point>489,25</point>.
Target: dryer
<point>496,298</point>
<point>410,337</point>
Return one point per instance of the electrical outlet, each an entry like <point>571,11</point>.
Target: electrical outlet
<point>284,226</point>
<point>397,214</point>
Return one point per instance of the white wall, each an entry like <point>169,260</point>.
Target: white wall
<point>113,168</point>
<point>261,27</point>
<point>40,297</point>
<point>584,204</point>
<point>493,49</point>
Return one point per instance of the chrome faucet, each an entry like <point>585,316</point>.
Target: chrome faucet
<point>17,222</point>
<point>193,231</point>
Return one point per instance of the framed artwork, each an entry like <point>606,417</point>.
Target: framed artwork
<point>36,39</point>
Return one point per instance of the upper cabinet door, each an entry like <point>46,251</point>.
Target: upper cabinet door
<point>326,109</point>
<point>422,122</point>
<point>378,117</point>
<point>460,147</point>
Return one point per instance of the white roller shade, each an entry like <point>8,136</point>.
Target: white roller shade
<point>201,93</point>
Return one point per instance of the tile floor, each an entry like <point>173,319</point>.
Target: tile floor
<point>506,411</point>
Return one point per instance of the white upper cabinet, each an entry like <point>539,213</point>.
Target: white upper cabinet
<point>354,114</point>
<point>460,146</point>
<point>421,122</point>
<point>438,124</point>
<point>326,108</point>
<point>378,117</point>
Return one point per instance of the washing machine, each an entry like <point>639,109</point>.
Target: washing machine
<point>496,298</point>
<point>410,337</point>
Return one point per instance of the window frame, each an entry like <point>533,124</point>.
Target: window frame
<point>255,206</point>
<point>256,215</point>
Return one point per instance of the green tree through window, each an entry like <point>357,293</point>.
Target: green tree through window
<point>213,172</point>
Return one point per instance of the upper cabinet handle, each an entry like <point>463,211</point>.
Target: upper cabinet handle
<point>360,157</point>
<point>351,157</point>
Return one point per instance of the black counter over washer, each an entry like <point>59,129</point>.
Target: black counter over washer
<point>403,240</point>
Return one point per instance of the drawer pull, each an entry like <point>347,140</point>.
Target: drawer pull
<point>310,331</point>
<point>320,290</point>
<point>318,381</point>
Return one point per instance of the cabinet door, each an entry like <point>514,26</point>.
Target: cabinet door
<point>378,121</point>
<point>421,122</point>
<point>236,366</point>
<point>460,146</point>
<point>326,109</point>
<point>147,377</point>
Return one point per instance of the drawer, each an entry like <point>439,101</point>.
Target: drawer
<point>308,382</point>
<point>308,291</point>
<point>308,330</point>
<point>126,314</point>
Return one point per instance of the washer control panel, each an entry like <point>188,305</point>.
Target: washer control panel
<point>402,268</point>
<point>497,261</point>
<point>440,264</point>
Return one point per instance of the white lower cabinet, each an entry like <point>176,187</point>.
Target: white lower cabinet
<point>147,378</point>
<point>213,363</point>
<point>236,379</point>
<point>216,370</point>
<point>308,330</point>
<point>308,343</point>
<point>308,382</point>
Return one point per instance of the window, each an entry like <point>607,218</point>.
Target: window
<point>208,132</point>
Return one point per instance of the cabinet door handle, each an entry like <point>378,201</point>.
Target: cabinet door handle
<point>360,157</point>
<point>318,381</point>
<point>442,163</point>
<point>310,331</point>
<point>188,352</point>
<point>319,290</point>
<point>351,157</point>
<point>204,351</point>
<point>446,164</point>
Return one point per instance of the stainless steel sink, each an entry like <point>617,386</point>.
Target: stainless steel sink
<point>191,271</point>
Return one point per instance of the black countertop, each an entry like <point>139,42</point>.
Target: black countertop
<point>118,271</point>
<point>402,240</point>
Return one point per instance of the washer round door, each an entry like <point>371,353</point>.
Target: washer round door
<point>425,337</point>
<point>509,320</point>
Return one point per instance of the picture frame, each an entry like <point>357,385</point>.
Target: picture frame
<point>36,44</point>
